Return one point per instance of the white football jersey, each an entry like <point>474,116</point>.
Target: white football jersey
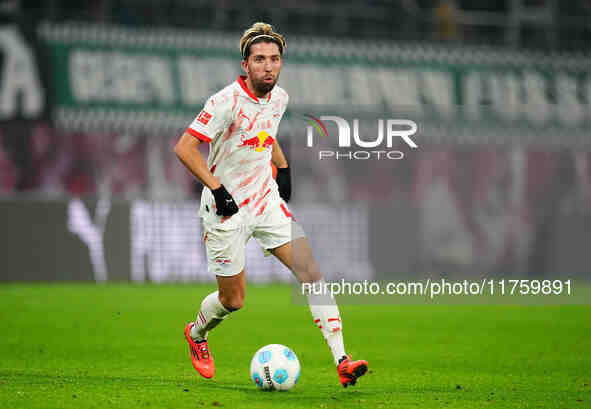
<point>241,129</point>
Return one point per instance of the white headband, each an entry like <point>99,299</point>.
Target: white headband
<point>250,41</point>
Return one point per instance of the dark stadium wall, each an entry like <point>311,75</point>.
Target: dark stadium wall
<point>37,244</point>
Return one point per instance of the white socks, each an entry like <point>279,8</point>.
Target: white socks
<point>327,317</point>
<point>211,314</point>
<point>323,307</point>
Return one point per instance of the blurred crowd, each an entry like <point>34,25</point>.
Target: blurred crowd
<point>539,24</point>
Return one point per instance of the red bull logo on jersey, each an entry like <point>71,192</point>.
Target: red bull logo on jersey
<point>260,142</point>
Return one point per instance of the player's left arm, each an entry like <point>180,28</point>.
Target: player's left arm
<point>283,175</point>
<point>277,156</point>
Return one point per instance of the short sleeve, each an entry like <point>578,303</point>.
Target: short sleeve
<point>285,102</point>
<point>211,121</point>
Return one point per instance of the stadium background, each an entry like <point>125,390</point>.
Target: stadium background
<point>94,96</point>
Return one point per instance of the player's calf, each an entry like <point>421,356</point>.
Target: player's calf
<point>232,303</point>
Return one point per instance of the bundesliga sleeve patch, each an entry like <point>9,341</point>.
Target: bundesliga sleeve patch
<point>204,117</point>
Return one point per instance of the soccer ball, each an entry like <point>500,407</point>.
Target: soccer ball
<point>275,366</point>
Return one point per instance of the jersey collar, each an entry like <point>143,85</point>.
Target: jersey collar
<point>241,80</point>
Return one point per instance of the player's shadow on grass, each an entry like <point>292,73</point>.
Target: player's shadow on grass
<point>254,391</point>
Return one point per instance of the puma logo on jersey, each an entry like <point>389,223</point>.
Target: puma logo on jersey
<point>242,115</point>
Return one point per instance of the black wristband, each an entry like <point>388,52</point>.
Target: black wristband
<point>284,183</point>
<point>219,191</point>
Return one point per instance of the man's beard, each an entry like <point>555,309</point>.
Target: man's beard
<point>262,87</point>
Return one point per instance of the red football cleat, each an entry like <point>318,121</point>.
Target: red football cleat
<point>200,356</point>
<point>350,370</point>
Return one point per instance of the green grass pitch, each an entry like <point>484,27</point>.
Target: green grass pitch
<point>121,346</point>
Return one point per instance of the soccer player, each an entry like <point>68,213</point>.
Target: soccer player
<point>242,200</point>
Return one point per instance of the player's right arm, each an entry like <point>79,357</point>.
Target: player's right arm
<point>209,124</point>
<point>186,150</point>
<point>188,153</point>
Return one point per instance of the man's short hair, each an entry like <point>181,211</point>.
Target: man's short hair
<point>258,33</point>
